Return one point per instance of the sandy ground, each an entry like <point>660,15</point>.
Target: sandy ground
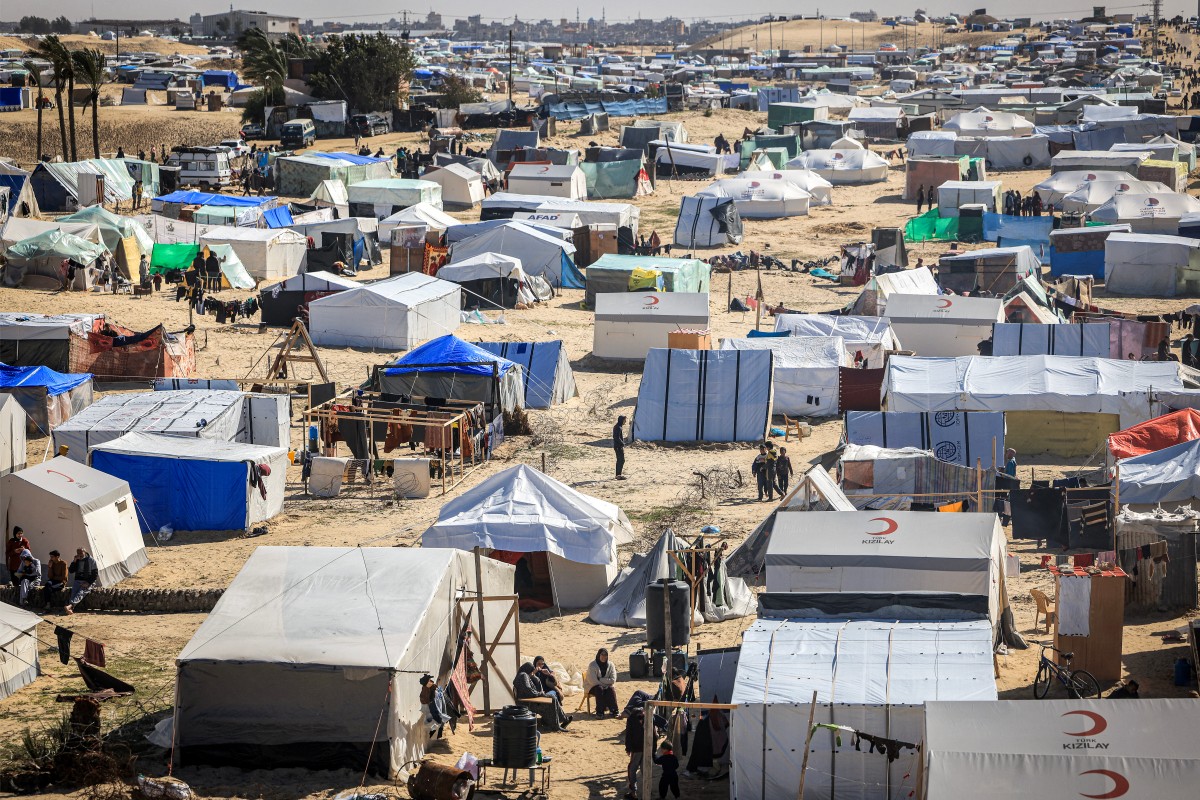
<point>588,760</point>
<point>817,34</point>
<point>128,44</point>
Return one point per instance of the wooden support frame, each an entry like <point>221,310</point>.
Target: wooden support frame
<point>475,608</point>
<point>296,338</point>
<point>648,735</point>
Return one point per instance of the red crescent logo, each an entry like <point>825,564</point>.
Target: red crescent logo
<point>651,300</point>
<point>1151,201</point>
<point>945,303</point>
<point>56,472</point>
<point>1099,723</point>
<point>889,526</point>
<point>1120,784</point>
<point>1089,177</point>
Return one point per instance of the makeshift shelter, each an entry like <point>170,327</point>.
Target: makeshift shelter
<point>1054,189</point>
<point>22,202</point>
<point>453,369</point>
<point>125,238</point>
<point>1157,212</point>
<point>382,197</point>
<point>871,336</point>
<point>49,398</point>
<point>873,299</point>
<point>37,262</point>
<point>569,539</point>
<point>63,505</point>
<point>170,257</point>
<point>953,195</point>
<point>284,301</point>
<point>545,370</point>
<point>18,640</point>
<point>965,438</point>
<point>302,631</point>
<point>71,185</point>
<point>495,279</point>
<point>18,229</point>
<point>624,216</point>
<point>195,484</point>
<point>13,422</point>
<point>995,269</point>
<point>1149,265</point>
<point>266,253</point>
<point>820,190</point>
<point>540,254</point>
<point>761,199</point>
<point>433,218</point>
<point>940,325</point>
<point>707,222</point>
<point>613,273</point>
<point>704,396</point>
<point>920,144</point>
<point>1058,748</point>
<point>39,340</point>
<point>908,478</point>
<point>330,194</point>
<point>551,180</point>
<point>461,186</point>
<point>1171,584</point>
<point>805,373</point>
<point>1155,434</point>
<point>1036,339</point>
<point>1167,478</point>
<point>397,313</point>
<point>617,178</point>
<point>715,597</point>
<point>860,683</point>
<point>1097,161</point>
<point>841,167</point>
<point>984,122</point>
<point>628,325</point>
<point>302,175</point>
<point>928,173</point>
<point>508,142</point>
<point>687,161</point>
<point>887,123</point>
<point>351,240</point>
<point>1080,251</point>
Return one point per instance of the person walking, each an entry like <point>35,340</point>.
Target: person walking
<point>783,471</point>
<point>618,439</point>
<point>635,746</point>
<point>763,470</point>
<point>920,198</point>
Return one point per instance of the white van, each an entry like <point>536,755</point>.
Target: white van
<point>201,166</point>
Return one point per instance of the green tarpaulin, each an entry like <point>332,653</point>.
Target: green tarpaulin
<point>929,227</point>
<point>610,180</point>
<point>179,256</point>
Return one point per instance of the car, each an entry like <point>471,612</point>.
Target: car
<point>236,147</point>
<point>253,131</point>
<point>369,124</point>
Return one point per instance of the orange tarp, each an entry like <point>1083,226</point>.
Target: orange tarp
<point>1156,434</point>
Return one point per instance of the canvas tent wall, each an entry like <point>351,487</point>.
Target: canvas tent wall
<point>63,505</point>
<point>995,269</point>
<point>1167,478</point>
<point>540,254</point>
<point>383,197</point>
<point>12,434</point>
<point>783,662</point>
<point>952,195</point>
<point>1149,265</point>
<point>843,166</point>
<point>22,202</point>
<point>297,634</point>
<point>707,222</point>
<point>805,375</point>
<point>393,314</point>
<point>282,302</point>
<point>1096,161</point>
<point>49,398</point>
<point>1059,748</point>
<point>960,437</point>
<point>18,229</point>
<point>929,173</point>
<point>18,639</point>
<point>1006,153</point>
<point>819,189</point>
<point>456,370</point>
<point>195,484</point>
<point>938,325</point>
<point>611,273</point>
<point>492,280</point>
<point>545,370</point>
<point>1080,251</point>
<point>461,187</point>
<point>761,199</point>
<point>40,340</point>
<point>930,143</point>
<point>704,396</point>
<point>502,205</point>
<point>871,336</point>
<point>984,122</point>
<point>522,510</point>
<point>566,181</point>
<point>628,325</point>
<point>618,178</point>
<point>268,254</point>
<point>125,238</point>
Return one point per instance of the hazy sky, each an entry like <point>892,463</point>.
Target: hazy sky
<point>370,10</point>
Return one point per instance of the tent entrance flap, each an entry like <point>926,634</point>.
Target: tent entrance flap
<point>534,581</point>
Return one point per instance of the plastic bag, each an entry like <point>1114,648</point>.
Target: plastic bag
<point>163,788</point>
<point>165,533</point>
<point>468,763</point>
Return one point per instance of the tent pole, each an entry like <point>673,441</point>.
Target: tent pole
<point>812,713</point>
<point>483,640</point>
<point>553,585</point>
<point>978,485</point>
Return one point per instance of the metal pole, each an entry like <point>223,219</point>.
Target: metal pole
<point>812,712</point>
<point>510,65</point>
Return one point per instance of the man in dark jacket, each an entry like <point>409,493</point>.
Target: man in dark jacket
<point>618,438</point>
<point>783,471</point>
<point>84,573</point>
<point>635,746</point>
<point>527,687</point>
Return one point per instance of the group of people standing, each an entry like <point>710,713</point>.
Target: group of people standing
<point>1018,205</point>
<point>772,471</point>
<point>25,572</point>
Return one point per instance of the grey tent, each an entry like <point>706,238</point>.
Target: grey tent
<point>624,604</point>
<point>548,377</point>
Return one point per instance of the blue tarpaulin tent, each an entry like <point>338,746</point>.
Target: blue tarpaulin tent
<point>48,397</point>
<point>279,217</point>
<point>209,199</point>
<point>451,368</point>
<point>548,376</point>
<point>55,383</point>
<point>444,351</point>
<point>353,158</point>
<point>221,77</point>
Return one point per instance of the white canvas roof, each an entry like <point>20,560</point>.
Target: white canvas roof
<point>20,228</point>
<point>873,336</point>
<point>983,122</point>
<point>26,327</point>
<point>392,314</point>
<point>820,189</point>
<point>266,253</point>
<point>330,192</point>
<point>623,215</point>
<point>910,281</point>
<point>461,185</point>
<point>685,309</point>
<point>136,443</point>
<point>1150,265</point>
<point>1097,159</point>
<point>319,281</point>
<point>1147,212</point>
<point>1093,194</point>
<point>523,510</point>
<point>939,309</point>
<point>539,253</point>
<point>1059,185</point>
<point>484,266</point>
<point>565,180</point>
<point>18,637</point>
<point>761,199</point>
<point>804,375</point>
<point>1061,748</point>
<point>420,214</point>
<point>843,166</point>
<point>930,143</point>
<point>1022,383</point>
<point>395,192</point>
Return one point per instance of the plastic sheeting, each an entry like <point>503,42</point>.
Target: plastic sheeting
<point>546,370</point>
<point>704,395</point>
<point>872,336</point>
<point>1059,185</point>
<point>1167,476</point>
<point>578,109</point>
<point>18,638</point>
<point>1017,339</point>
<point>805,373</point>
<point>821,190</point>
<point>180,256</point>
<point>1156,434</point>
<point>958,437</point>
<point>707,222</point>
<point>931,227</point>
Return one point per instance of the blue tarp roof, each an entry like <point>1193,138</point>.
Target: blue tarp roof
<point>353,158</point>
<point>278,217</point>
<point>16,183</point>
<point>56,383</point>
<point>450,349</point>
<point>209,199</point>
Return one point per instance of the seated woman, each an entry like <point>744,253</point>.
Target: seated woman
<point>601,678</point>
<point>529,693</point>
<point>546,675</point>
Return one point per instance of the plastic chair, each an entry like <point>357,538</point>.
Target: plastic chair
<point>586,701</point>
<point>1043,609</point>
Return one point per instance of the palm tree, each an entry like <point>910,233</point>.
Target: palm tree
<point>265,63</point>
<point>51,49</point>
<point>89,64</point>
<point>35,75</point>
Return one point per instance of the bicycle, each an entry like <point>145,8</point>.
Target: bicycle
<point>1079,683</point>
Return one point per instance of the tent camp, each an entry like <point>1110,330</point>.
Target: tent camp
<point>169,257</point>
<point>873,298</point>
<point>940,325</point>
<point>952,195</point>
<point>805,376</point>
<point>616,174</point>
<point>613,273</point>
<point>761,199</point>
<point>688,161</point>
<point>284,301</point>
<point>546,370</point>
<point>627,325</point>
<point>540,254</point>
<point>18,639</point>
<point>994,269</point>
<point>461,186</point>
<point>310,647</point>
<point>860,681</point>
<point>397,313</point>
<point>125,238</point>
<point>983,122</point>
<point>841,167</point>
<point>1080,251</point>
<point>350,240</point>
<point>553,180</point>
<point>887,123</point>
<point>63,504</point>
<point>494,280</point>
<point>704,396</point>
<point>195,484</point>
<point>871,336</point>
<point>49,398</point>
<point>383,197</point>
<point>13,424</point>
<point>1149,265</point>
<point>268,254</point>
<point>960,437</point>
<point>569,539</point>
<point>37,262</point>
<point>819,189</point>
<point>625,216</point>
<point>456,370</point>
<point>1055,188</point>
<point>707,222</point>
<point>624,604</point>
<point>22,202</point>
<point>1059,748</point>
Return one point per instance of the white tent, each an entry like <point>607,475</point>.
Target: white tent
<point>805,375</point>
<point>1096,160</point>
<point>1007,152</point>
<point>18,641</point>
<point>421,214</point>
<point>940,325</point>
<point>63,504</point>
<point>873,298</point>
<point>539,253</point>
<point>820,189</point>
<point>983,122</point>
<point>843,166</point>
<point>268,254</point>
<point>871,676</point>
<point>689,160</point>
<point>761,199</point>
<point>385,196</point>
<point>553,180</point>
<point>462,187</point>
<point>522,510</point>
<point>628,324</point>
<point>311,657</point>
<point>871,336</point>
<point>707,222</point>
<point>397,313</point>
<point>1055,188</point>
<point>958,437</point>
<point>1148,265</point>
<point>952,195</point>
<point>494,266</point>
<point>13,422</point>
<point>1038,339</point>
<point>1094,194</point>
<point>330,194</point>
<point>930,143</point>
<point>18,229</point>
<point>846,143</point>
<point>1060,748</point>
<point>704,396</point>
<point>1147,212</point>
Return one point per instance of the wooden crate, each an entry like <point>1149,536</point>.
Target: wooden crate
<point>689,340</point>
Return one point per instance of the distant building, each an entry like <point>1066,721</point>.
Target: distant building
<point>865,16</point>
<point>232,23</point>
